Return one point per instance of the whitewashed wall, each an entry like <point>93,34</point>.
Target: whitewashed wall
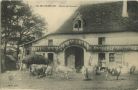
<point>123,38</point>
<point>131,58</point>
<point>61,58</point>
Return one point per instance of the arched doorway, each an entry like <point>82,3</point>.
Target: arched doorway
<point>74,57</point>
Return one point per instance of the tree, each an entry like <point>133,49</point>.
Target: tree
<point>20,24</point>
<point>6,22</point>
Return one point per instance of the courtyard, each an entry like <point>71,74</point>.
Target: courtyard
<point>23,80</point>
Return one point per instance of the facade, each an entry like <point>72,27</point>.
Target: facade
<point>98,34</point>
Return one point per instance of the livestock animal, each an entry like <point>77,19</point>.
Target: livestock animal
<point>116,71</point>
<point>63,70</point>
<point>38,70</point>
<point>132,69</point>
<point>49,70</point>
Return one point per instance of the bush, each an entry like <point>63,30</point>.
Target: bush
<point>35,59</point>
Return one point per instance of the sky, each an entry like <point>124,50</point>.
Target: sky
<point>56,12</point>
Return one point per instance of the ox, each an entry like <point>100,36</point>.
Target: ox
<point>132,69</point>
<point>39,70</point>
<point>64,69</point>
<point>116,71</point>
<point>49,70</point>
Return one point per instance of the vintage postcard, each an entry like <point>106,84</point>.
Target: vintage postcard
<point>69,45</point>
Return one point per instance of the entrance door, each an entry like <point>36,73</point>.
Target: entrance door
<point>74,57</point>
<point>101,58</point>
<point>50,57</point>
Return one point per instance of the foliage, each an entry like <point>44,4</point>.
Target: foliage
<point>20,24</point>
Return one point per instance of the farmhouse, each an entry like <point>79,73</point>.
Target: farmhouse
<point>104,34</point>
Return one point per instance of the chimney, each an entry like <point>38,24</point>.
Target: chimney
<point>124,9</point>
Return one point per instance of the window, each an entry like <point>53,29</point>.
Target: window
<point>101,56</point>
<point>77,24</point>
<point>111,57</point>
<point>101,40</point>
<point>50,42</point>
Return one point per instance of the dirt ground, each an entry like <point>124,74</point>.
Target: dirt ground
<point>23,80</point>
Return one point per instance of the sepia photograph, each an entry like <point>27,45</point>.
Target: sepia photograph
<point>69,45</point>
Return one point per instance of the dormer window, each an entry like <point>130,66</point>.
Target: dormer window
<point>78,23</point>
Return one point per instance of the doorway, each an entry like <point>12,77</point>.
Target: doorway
<point>50,57</point>
<point>74,57</point>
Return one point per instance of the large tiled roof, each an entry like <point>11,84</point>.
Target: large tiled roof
<point>104,18</point>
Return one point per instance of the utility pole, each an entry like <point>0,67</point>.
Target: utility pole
<point>0,42</point>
